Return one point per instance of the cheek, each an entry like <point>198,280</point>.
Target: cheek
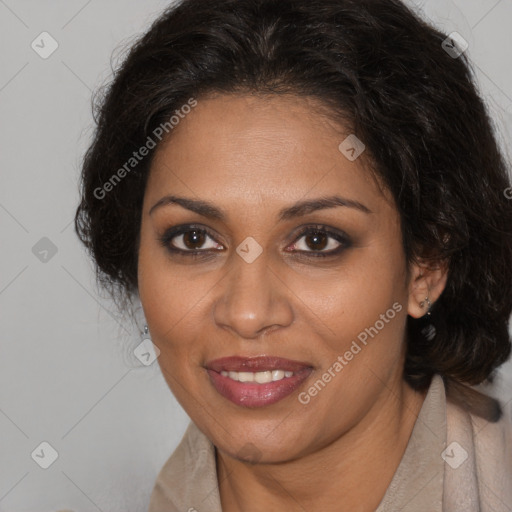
<point>368,285</point>
<point>365,304</point>
<point>167,299</point>
<point>161,290</point>
<point>175,306</point>
<point>171,304</point>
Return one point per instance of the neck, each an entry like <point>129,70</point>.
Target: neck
<point>360,465</point>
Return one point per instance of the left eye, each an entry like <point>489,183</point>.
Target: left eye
<point>320,240</point>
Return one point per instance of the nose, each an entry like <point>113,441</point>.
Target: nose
<point>253,299</point>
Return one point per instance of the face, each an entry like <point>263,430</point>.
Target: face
<point>271,278</point>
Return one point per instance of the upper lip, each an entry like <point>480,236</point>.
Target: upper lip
<point>255,364</point>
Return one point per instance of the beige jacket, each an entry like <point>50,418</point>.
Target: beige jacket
<point>458,459</point>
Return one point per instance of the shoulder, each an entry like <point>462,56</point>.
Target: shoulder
<point>491,418</point>
<point>482,424</point>
<point>187,474</point>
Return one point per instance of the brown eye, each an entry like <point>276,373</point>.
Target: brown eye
<point>189,239</point>
<point>316,241</point>
<point>194,238</point>
<point>321,241</point>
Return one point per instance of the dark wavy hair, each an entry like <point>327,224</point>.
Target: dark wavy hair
<point>381,71</point>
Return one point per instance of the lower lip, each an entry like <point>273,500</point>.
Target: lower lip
<point>250,394</point>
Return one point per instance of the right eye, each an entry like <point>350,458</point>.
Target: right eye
<point>188,240</point>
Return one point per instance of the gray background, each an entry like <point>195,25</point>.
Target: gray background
<point>68,375</point>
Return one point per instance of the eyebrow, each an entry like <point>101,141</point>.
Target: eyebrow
<point>299,209</point>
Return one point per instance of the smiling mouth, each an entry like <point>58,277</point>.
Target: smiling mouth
<point>256,381</point>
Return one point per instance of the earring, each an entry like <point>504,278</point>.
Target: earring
<point>422,305</point>
<point>146,352</point>
<point>429,331</point>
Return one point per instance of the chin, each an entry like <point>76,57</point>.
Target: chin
<point>259,445</point>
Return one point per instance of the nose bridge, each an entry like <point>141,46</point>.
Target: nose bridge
<point>251,298</point>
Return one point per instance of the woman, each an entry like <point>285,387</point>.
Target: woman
<point>308,199</point>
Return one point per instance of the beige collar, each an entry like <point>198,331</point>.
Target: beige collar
<point>418,481</point>
<point>188,480</point>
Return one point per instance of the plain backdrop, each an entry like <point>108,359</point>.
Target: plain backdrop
<point>68,375</point>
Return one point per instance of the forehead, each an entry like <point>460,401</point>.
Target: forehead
<point>259,150</point>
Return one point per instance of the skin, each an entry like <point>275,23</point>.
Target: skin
<point>252,156</point>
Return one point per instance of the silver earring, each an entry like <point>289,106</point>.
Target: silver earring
<point>145,334</point>
<point>422,305</point>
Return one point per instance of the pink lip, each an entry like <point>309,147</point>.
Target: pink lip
<point>256,364</point>
<point>251,394</point>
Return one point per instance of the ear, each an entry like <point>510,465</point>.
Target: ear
<point>426,280</point>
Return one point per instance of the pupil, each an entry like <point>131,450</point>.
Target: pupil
<point>192,238</point>
<point>316,237</point>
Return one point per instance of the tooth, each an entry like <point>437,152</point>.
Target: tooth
<point>263,377</point>
<point>277,375</point>
<point>259,377</point>
<point>246,376</point>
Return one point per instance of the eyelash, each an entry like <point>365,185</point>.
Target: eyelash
<point>171,233</point>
